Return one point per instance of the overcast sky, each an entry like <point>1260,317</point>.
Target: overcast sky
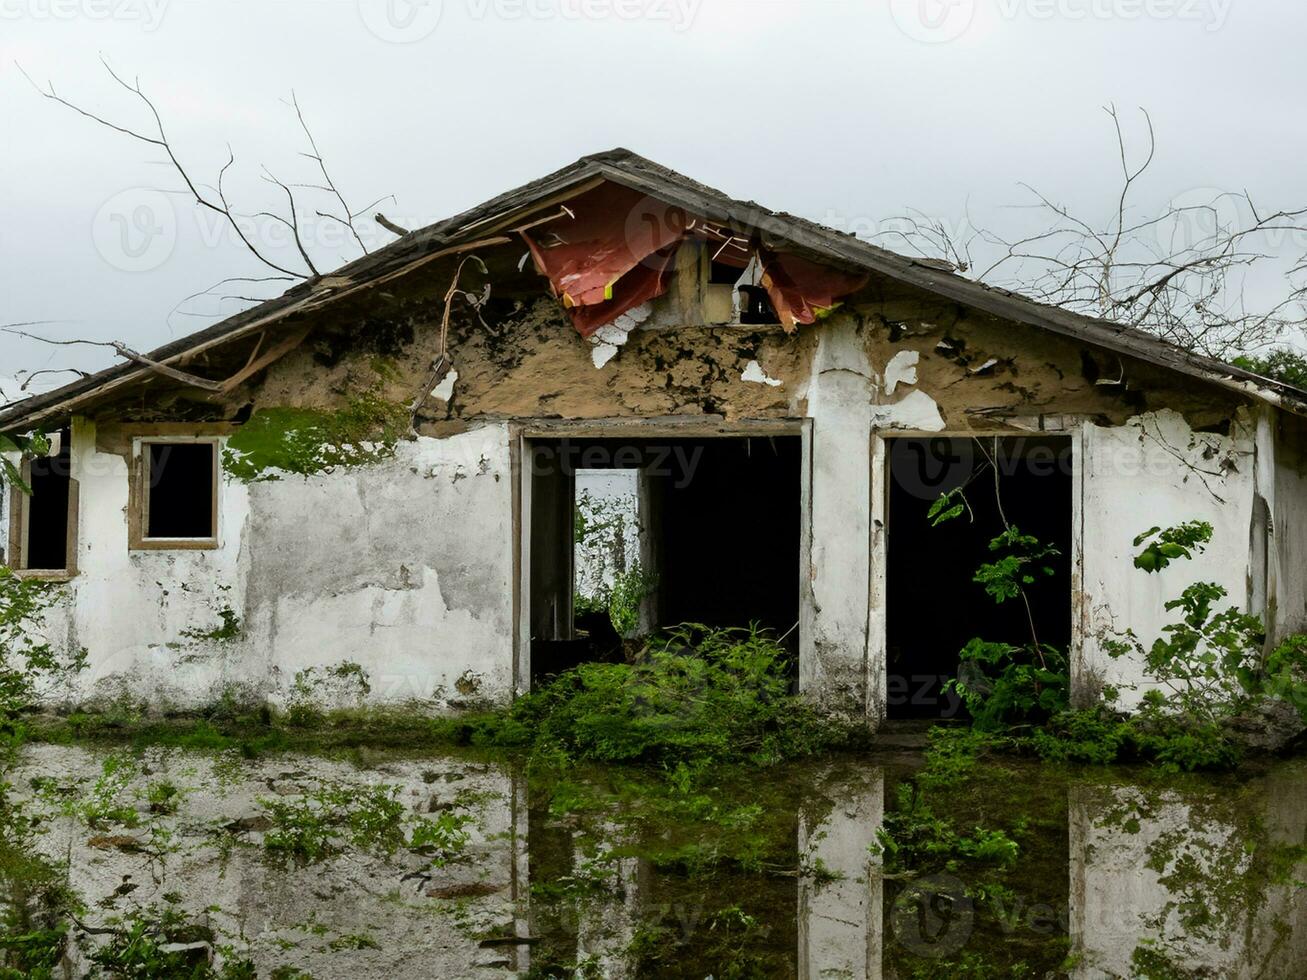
<point>844,111</point>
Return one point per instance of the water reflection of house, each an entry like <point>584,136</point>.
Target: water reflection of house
<point>1206,879</point>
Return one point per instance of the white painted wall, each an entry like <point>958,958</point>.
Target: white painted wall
<point>842,662</point>
<point>1155,471</point>
<point>404,568</point>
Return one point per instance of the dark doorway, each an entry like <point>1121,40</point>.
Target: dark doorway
<point>719,525</point>
<point>48,511</point>
<point>933,605</point>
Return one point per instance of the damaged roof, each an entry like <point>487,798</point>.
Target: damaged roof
<point>774,230</point>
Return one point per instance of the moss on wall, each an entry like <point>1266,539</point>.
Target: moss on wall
<point>308,440</point>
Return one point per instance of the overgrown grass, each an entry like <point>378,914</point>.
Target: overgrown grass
<point>694,697</point>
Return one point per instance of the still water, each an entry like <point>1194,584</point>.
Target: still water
<point>1096,873</point>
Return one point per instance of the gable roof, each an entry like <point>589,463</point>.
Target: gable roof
<point>778,230</point>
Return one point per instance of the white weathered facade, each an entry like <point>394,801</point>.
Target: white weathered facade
<point>416,566</point>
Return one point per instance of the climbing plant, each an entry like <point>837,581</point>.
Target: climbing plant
<point>1004,683</point>
<point>26,660</point>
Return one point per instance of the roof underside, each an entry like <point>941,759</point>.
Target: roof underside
<point>775,230</point>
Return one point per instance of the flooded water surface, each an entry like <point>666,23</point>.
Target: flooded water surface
<point>448,866</point>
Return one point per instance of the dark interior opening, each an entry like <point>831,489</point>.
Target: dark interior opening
<point>756,306</point>
<point>181,490</point>
<point>933,605</point>
<point>721,522</point>
<point>47,510</point>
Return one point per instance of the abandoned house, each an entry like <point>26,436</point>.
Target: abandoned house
<point>375,476</point>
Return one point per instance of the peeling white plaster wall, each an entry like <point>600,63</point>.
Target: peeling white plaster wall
<point>754,374</point>
<point>902,369</point>
<point>404,568</point>
<point>444,391</point>
<point>1157,472</point>
<point>611,337</point>
<point>833,665</point>
<point>916,411</point>
<point>844,617</point>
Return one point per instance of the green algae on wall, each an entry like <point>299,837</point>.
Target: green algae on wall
<point>308,441</point>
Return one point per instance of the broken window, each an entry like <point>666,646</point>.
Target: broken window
<point>934,606</point>
<point>178,493</point>
<point>631,536</point>
<point>43,531</point>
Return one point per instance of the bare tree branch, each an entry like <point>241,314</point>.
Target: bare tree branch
<point>1181,274</point>
<point>330,185</point>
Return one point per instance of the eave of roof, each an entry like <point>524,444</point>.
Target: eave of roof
<point>777,229</point>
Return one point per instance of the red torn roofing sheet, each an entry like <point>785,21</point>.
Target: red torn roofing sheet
<point>802,291</point>
<point>614,252</point>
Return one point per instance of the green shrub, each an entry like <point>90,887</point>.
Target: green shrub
<point>695,695</point>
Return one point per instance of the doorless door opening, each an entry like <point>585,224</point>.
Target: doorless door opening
<point>934,605</point>
<point>629,536</point>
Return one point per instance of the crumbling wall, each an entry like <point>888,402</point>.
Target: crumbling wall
<point>403,564</point>
<point>1156,471</point>
<point>355,567</point>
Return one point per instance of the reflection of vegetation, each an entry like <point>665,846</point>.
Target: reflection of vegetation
<point>972,856</point>
<point>1214,852</point>
<point>161,942</point>
<point>35,901</point>
<point>705,871</point>
<point>331,816</point>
